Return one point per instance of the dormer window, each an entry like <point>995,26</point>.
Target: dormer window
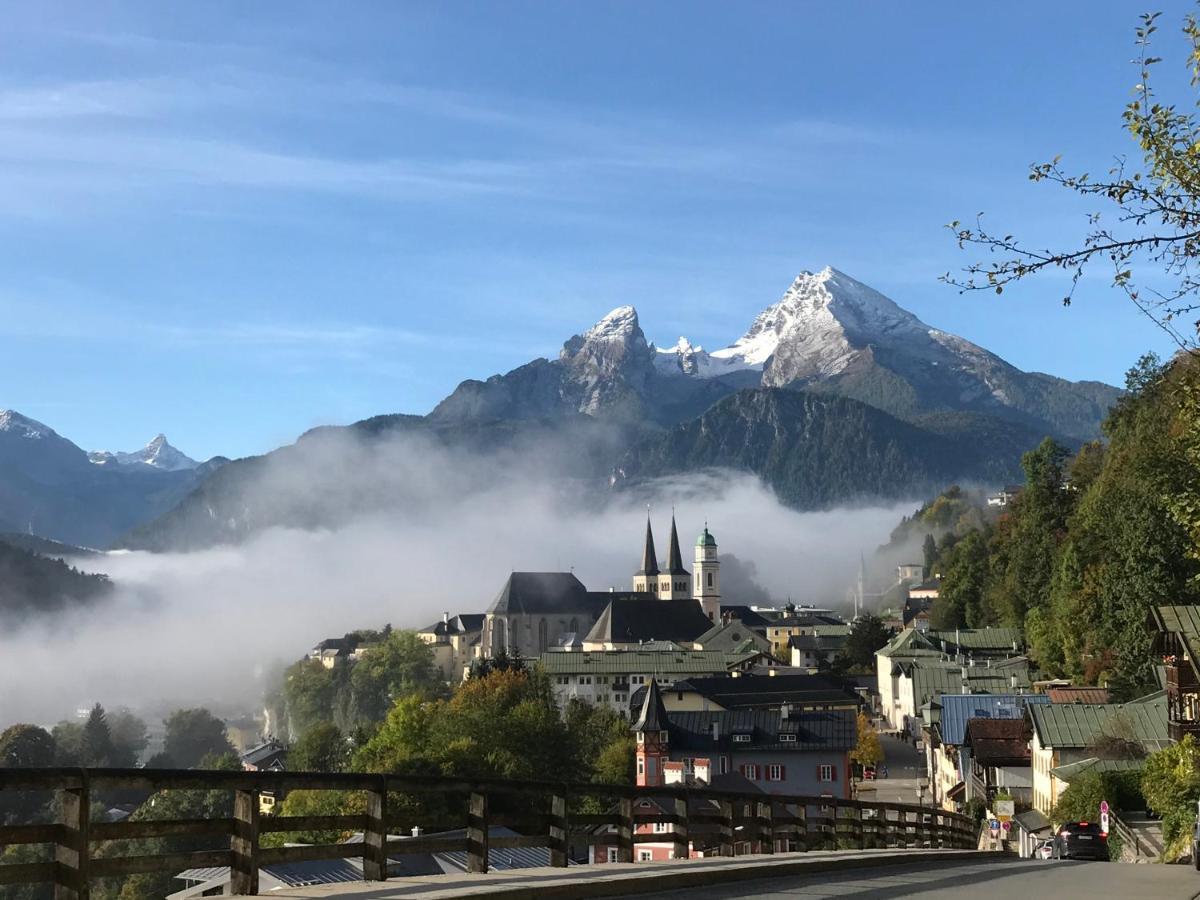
<point>741,738</point>
<point>787,738</point>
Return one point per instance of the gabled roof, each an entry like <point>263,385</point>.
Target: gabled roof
<point>1178,630</point>
<point>541,593</point>
<point>745,615</point>
<point>732,635</point>
<point>817,643</point>
<point>959,709</point>
<point>832,730</point>
<point>909,642</point>
<point>804,620</point>
<point>653,716</point>
<point>931,677</point>
<point>999,742</point>
<point>264,754</point>
<point>463,623</point>
<point>639,617</point>
<point>1079,725</point>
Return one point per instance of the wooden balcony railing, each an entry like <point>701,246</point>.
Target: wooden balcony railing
<point>708,821</point>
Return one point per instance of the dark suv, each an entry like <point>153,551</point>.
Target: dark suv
<point>1080,840</point>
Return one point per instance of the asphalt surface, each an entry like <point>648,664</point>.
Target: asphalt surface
<point>905,766</point>
<point>1011,880</point>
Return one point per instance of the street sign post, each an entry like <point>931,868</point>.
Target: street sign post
<point>1104,816</point>
<point>1004,809</point>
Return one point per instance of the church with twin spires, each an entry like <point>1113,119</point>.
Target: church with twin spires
<point>540,611</point>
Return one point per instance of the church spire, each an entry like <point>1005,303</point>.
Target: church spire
<point>674,557</point>
<point>649,559</point>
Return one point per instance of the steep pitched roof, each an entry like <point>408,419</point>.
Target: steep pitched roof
<point>999,742</point>
<point>540,593</point>
<point>1076,725</point>
<point>817,643</point>
<point>637,618</point>
<point>674,557</point>
<point>933,676</point>
<point>909,642</point>
<point>745,615</point>
<point>980,640</point>
<point>649,560</point>
<point>959,709</point>
<point>732,635</point>
<point>653,716</point>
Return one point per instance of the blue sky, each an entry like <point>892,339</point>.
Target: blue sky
<point>231,222</point>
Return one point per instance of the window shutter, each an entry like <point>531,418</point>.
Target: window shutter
<point>818,772</point>
<point>782,772</point>
<point>833,773</point>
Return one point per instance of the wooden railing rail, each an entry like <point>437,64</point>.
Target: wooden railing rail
<point>690,820</point>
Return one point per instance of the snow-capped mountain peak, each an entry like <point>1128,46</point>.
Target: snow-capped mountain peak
<point>13,422</point>
<point>158,453</point>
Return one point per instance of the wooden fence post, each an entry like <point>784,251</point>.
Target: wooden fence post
<point>625,831</point>
<point>802,827</point>
<point>680,831</point>
<point>477,833</point>
<point>71,851</point>
<point>727,845</point>
<point>243,845</point>
<point>375,835</point>
<point>558,830</point>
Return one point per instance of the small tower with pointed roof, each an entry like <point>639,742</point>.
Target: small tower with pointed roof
<point>645,579</point>
<point>650,731</point>
<point>674,583</point>
<point>707,584</point>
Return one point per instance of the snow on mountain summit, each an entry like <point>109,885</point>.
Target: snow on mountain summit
<point>158,453</point>
<point>13,422</point>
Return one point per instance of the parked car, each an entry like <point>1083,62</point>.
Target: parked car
<point>1080,840</point>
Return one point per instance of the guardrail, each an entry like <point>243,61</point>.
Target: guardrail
<point>703,821</point>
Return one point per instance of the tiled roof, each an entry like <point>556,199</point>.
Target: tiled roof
<point>745,615</point>
<point>827,730</point>
<point>539,593</point>
<point>999,742</point>
<point>931,677</point>
<point>636,618</point>
<point>959,709</point>
<point>1074,725</point>
<point>1077,695</point>
<point>639,662</point>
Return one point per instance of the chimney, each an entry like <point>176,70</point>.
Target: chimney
<point>783,712</point>
<point>716,731</point>
<point>1012,680</point>
<point>446,617</point>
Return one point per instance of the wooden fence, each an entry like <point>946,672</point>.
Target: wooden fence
<point>700,821</point>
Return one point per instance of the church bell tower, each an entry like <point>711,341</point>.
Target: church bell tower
<point>706,587</point>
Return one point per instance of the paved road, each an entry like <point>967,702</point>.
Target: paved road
<point>1011,880</point>
<point>905,765</point>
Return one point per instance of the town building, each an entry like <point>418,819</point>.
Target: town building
<point>784,752</point>
<point>949,761</point>
<point>1069,732</point>
<point>538,611</point>
<point>813,652</point>
<point>1000,759</point>
<point>796,692</point>
<point>731,635</point>
<point>609,677</point>
<point>1177,642</point>
<point>797,622</point>
<point>454,641</point>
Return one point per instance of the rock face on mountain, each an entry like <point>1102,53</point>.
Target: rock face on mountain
<point>50,487</point>
<point>832,333</point>
<point>833,393</point>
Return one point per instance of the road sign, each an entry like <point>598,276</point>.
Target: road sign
<point>1103,807</point>
<point>1104,822</point>
<point>994,824</point>
<point>1006,825</point>
<point>1004,809</point>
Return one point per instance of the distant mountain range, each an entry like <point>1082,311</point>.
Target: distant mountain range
<point>834,393</point>
<point>51,488</point>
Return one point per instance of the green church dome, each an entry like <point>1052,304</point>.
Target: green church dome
<point>706,539</point>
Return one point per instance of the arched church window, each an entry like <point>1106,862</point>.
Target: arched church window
<point>710,579</point>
